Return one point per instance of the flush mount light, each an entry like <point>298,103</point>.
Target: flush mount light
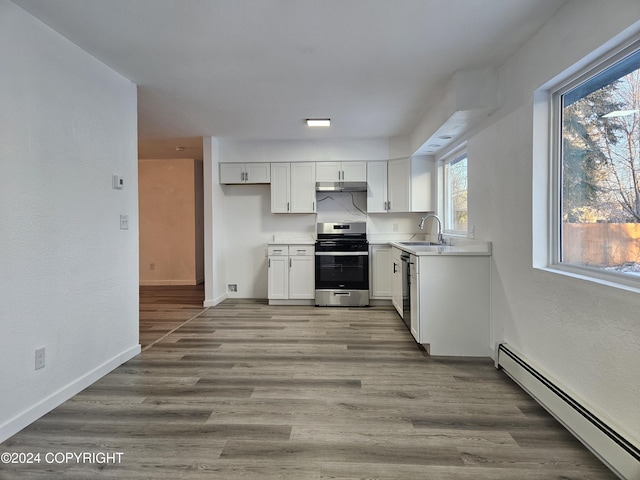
<point>318,122</point>
<point>620,113</point>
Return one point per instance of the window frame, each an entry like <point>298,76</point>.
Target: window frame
<point>555,264</point>
<point>453,157</point>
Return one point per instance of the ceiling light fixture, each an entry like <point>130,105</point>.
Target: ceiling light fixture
<point>318,122</point>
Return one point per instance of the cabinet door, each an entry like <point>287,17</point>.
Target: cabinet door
<point>278,279</point>
<point>377,187</point>
<point>301,277</point>
<point>328,172</point>
<point>381,266</point>
<point>354,171</point>
<point>232,173</point>
<point>414,293</point>
<point>303,187</point>
<point>280,185</point>
<point>396,280</point>
<point>258,173</point>
<point>399,172</point>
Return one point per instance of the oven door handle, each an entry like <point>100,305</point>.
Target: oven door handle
<point>342,254</point>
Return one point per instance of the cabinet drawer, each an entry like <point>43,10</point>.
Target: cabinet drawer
<point>302,250</point>
<point>278,250</point>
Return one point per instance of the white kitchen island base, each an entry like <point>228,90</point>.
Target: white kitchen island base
<point>449,296</point>
<point>453,305</point>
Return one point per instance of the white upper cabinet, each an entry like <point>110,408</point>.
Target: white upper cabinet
<point>341,171</point>
<point>258,173</point>
<point>399,185</point>
<point>303,187</point>
<point>377,200</point>
<point>354,171</point>
<point>293,187</point>
<point>231,173</point>
<point>409,184</point>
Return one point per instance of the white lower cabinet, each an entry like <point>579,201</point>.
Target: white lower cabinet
<point>414,297</point>
<point>451,304</point>
<point>291,274</point>
<point>396,279</point>
<point>278,282</point>
<point>380,264</point>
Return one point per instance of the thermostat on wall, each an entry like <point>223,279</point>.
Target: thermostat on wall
<point>118,182</point>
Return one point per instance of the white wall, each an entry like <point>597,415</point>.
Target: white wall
<point>586,335</point>
<point>214,226</point>
<point>69,276</point>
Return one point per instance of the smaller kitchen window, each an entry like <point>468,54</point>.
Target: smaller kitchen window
<point>455,194</point>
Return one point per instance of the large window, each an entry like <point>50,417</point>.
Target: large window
<point>455,194</point>
<point>598,169</point>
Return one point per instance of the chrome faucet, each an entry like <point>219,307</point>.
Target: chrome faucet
<point>428,215</point>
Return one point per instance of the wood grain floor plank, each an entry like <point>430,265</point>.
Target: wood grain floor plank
<point>245,391</point>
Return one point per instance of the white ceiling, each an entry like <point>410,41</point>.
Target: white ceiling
<point>255,69</point>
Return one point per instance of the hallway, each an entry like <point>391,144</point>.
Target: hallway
<point>249,391</point>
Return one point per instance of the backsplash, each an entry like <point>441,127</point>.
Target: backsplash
<point>352,207</point>
<point>341,206</point>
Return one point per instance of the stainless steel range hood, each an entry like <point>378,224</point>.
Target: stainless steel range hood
<point>341,186</point>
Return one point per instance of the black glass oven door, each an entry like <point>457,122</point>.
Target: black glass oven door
<point>342,270</point>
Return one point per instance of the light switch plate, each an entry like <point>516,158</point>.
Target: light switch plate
<point>40,358</point>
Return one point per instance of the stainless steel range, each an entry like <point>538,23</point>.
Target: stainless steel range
<point>342,264</point>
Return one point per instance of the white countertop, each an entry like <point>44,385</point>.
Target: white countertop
<point>291,239</point>
<point>460,248</point>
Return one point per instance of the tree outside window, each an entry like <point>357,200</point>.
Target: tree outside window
<point>455,188</point>
<point>600,170</point>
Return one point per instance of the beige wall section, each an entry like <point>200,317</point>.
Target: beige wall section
<point>171,221</point>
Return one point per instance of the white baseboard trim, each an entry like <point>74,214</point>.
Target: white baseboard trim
<point>168,283</point>
<point>214,302</point>
<point>33,413</point>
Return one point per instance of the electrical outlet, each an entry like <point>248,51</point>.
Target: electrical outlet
<point>40,358</point>
<point>118,182</point>
<point>233,287</point>
<point>124,222</point>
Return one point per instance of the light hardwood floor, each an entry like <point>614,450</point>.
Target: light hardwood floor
<point>248,391</point>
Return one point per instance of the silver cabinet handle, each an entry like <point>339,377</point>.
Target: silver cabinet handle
<point>289,263</point>
<point>246,176</point>
<point>269,264</point>
<point>287,206</point>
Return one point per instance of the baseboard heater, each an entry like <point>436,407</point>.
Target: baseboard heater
<point>616,451</point>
